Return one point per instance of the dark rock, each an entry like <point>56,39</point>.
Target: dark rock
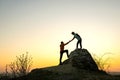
<point>79,66</point>
<point>81,59</point>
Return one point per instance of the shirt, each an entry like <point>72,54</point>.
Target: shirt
<point>62,47</point>
<point>77,37</point>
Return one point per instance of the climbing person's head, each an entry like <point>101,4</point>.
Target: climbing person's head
<point>73,33</point>
<point>62,42</point>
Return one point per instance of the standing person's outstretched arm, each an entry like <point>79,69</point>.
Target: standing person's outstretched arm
<point>68,42</point>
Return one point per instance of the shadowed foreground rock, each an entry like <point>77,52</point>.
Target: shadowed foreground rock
<point>81,59</point>
<point>79,66</point>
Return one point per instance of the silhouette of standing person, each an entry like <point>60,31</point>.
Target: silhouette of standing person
<point>78,38</point>
<point>62,50</point>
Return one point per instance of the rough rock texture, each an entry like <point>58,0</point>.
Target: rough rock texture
<point>81,59</point>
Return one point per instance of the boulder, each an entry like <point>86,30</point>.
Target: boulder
<point>81,59</point>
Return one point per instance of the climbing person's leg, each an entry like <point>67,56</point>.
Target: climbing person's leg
<point>61,54</point>
<point>67,53</point>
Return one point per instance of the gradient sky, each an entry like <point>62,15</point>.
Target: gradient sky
<point>38,27</point>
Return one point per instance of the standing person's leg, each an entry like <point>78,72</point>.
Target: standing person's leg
<point>81,43</point>
<point>77,45</point>
<point>61,53</point>
<point>67,53</point>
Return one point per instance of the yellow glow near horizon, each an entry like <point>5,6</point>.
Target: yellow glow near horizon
<point>45,49</point>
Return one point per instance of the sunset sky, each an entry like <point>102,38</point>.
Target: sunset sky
<point>38,27</point>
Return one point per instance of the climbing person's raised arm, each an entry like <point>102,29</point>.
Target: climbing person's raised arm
<point>69,41</point>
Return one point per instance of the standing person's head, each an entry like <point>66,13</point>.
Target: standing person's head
<point>72,33</point>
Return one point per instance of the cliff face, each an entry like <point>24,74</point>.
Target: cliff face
<point>79,66</point>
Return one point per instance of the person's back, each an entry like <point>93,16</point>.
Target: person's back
<point>77,36</point>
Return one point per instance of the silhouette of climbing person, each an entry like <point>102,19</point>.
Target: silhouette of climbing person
<point>78,38</point>
<point>62,50</point>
